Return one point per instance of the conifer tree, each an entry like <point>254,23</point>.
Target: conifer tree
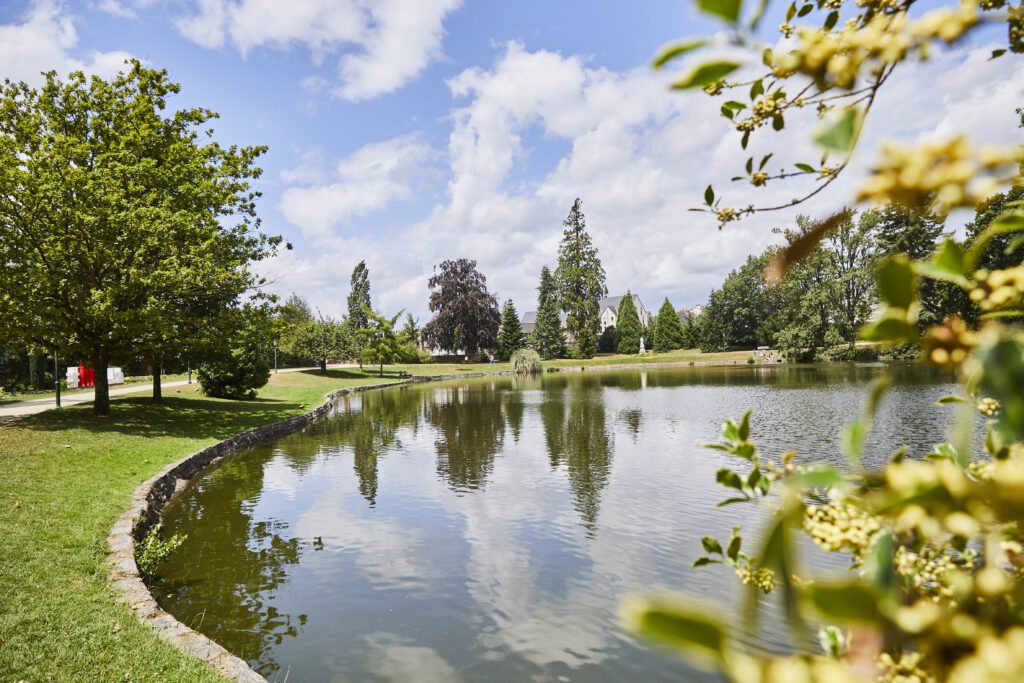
<point>628,326</point>
<point>548,337</point>
<point>359,303</point>
<point>668,336</point>
<point>581,282</point>
<point>511,336</point>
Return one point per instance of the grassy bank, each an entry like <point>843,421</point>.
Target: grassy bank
<point>65,477</point>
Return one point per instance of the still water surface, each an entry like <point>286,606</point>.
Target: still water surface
<point>488,529</point>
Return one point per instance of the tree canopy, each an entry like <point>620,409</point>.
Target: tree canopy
<point>548,336</point>
<point>465,314</point>
<point>627,326</point>
<point>359,299</point>
<point>511,336</point>
<point>381,344</point>
<point>668,336</point>
<point>323,339</point>
<point>581,282</point>
<point>122,228</point>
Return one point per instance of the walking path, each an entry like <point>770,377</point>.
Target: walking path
<point>15,411</point>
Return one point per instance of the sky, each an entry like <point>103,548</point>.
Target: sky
<point>407,132</point>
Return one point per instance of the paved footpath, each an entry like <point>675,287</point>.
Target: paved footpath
<point>9,412</point>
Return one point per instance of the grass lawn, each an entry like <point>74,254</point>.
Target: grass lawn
<point>678,356</point>
<point>66,476</point>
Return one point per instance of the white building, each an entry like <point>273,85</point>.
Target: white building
<point>609,308</point>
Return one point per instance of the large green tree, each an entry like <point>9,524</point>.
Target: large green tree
<point>323,339</point>
<point>511,336</point>
<point>465,313</point>
<point>627,326</point>
<point>581,282</point>
<point>120,225</point>
<point>381,344</point>
<point>668,336</point>
<point>548,337</point>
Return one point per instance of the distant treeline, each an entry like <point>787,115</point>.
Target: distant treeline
<point>816,308</point>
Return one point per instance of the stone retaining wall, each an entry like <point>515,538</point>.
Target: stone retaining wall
<point>148,503</point>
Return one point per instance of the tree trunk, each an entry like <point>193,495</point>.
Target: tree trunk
<point>381,369</point>
<point>101,403</point>
<point>323,366</point>
<point>157,389</point>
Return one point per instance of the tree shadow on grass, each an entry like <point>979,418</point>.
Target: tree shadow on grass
<point>371,372</point>
<point>191,418</point>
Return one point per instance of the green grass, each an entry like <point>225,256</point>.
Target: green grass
<point>65,478</point>
<point>678,356</point>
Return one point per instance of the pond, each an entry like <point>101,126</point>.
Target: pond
<point>488,529</point>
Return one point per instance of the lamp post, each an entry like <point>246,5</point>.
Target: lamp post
<point>275,356</point>
<point>56,377</point>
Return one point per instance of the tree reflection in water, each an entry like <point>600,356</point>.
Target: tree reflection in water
<point>579,438</point>
<point>470,429</point>
<point>230,539</point>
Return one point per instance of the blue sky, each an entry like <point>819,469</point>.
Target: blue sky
<point>405,132</point>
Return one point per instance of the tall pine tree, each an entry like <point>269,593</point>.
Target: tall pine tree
<point>581,282</point>
<point>511,336</point>
<point>628,326</point>
<point>547,337</point>
<point>668,336</point>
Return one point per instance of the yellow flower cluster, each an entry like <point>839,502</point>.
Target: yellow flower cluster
<point>838,525</point>
<point>996,659</point>
<point>744,669</point>
<point>947,345</point>
<point>762,577</point>
<point>940,175</point>
<point>933,572</point>
<point>725,215</point>
<point>835,58</point>
<point>715,88</point>
<point>1000,290</point>
<point>759,178</point>
<point>988,406</point>
<point>905,670</point>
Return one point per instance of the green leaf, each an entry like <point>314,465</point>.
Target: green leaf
<point>894,327</point>
<point>709,196</point>
<point>841,135</point>
<point>820,477</point>
<point>790,12</point>
<point>711,545</point>
<point>949,263</point>
<point>845,602</point>
<point>852,438</point>
<point>754,478</point>
<point>734,547</point>
<point>806,167</point>
<point>778,122</point>
<point>946,400</point>
<point>731,432</point>
<point>726,112</point>
<point>705,74</point>
<point>767,56</point>
<point>727,477</point>
<point>750,165</point>
<point>764,161</point>
<point>704,561</point>
<point>726,9</point>
<point>831,19</point>
<point>730,501</point>
<point>1009,221</point>
<point>745,139</point>
<point>896,283</point>
<point>756,89</point>
<point>744,429</point>
<point>805,10</point>
<point>699,636</point>
<point>898,456</point>
<point>998,53</point>
<point>673,51</point>
<point>878,389</point>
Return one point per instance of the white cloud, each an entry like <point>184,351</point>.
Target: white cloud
<point>640,155</point>
<point>394,39</point>
<point>46,41</point>
<point>368,180</point>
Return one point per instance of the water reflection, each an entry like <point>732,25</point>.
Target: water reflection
<point>489,528</point>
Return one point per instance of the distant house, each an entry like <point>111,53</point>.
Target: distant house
<point>609,307</point>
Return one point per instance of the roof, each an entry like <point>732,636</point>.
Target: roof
<point>613,302</point>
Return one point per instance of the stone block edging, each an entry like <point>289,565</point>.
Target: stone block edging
<point>149,501</point>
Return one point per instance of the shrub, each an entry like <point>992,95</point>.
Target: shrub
<point>408,353</point>
<point>424,357</point>
<point>526,362</point>
<point>235,373</point>
<point>152,551</point>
